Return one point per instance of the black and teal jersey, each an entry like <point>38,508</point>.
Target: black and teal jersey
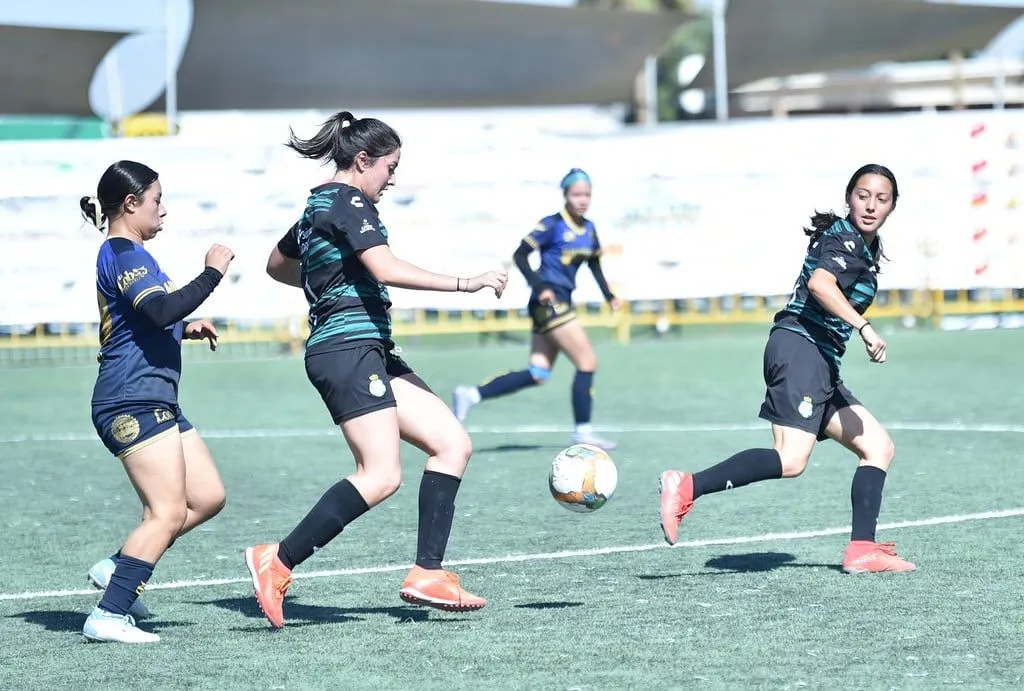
<point>842,252</point>
<point>564,246</point>
<point>346,302</point>
<point>139,362</point>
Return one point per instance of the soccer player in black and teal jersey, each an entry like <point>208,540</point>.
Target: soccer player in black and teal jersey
<point>806,400</point>
<point>135,399</point>
<point>338,254</point>
<point>566,240</point>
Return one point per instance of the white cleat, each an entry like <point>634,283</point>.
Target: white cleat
<point>105,627</point>
<point>593,440</point>
<point>464,398</point>
<point>99,576</point>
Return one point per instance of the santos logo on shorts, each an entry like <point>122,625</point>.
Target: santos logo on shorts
<point>377,387</point>
<point>806,407</point>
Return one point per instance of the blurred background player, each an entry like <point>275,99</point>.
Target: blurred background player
<point>338,253</point>
<point>565,240</point>
<point>135,398</point>
<point>806,400</point>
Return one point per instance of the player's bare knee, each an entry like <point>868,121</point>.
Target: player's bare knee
<point>168,518</point>
<point>387,483</point>
<point>793,463</point>
<point>882,453</point>
<point>587,362</point>
<point>454,451</point>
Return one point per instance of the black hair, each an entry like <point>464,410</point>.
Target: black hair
<point>116,183</point>
<point>342,137</point>
<point>823,220</point>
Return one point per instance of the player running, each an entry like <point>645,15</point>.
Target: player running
<point>806,400</point>
<point>566,240</point>
<point>135,399</point>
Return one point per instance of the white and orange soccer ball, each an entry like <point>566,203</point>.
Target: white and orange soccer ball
<point>583,478</point>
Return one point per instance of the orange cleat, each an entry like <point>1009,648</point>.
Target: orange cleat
<point>270,581</point>
<point>863,556</point>
<point>676,489</point>
<point>438,589</point>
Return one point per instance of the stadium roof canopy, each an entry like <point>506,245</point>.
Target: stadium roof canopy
<point>326,54</point>
<point>778,38</point>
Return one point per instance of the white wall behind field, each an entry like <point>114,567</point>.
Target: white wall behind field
<point>683,210</point>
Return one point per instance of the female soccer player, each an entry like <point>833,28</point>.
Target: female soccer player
<point>338,252</point>
<point>806,400</point>
<point>565,240</point>
<point>135,398</point>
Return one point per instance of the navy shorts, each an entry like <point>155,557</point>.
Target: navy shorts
<point>355,379</point>
<point>128,426</point>
<point>803,388</point>
<point>546,317</point>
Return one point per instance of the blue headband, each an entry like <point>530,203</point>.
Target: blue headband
<point>573,176</point>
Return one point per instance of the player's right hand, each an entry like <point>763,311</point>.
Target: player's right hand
<point>874,343</point>
<point>495,280</point>
<point>546,297</point>
<point>219,257</point>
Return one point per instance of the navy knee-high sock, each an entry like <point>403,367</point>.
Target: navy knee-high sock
<point>505,384</point>
<point>126,584</point>
<point>583,397</point>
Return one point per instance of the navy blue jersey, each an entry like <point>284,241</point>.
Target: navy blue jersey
<point>563,247</point>
<point>346,302</point>
<point>842,252</point>
<point>138,361</point>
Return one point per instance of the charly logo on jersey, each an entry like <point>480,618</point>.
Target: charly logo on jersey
<point>840,262</point>
<point>131,277</point>
<point>356,201</point>
<point>125,429</point>
<point>377,387</point>
<point>850,245</point>
<point>806,407</point>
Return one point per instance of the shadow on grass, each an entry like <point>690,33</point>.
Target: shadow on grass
<point>755,562</point>
<point>298,614</point>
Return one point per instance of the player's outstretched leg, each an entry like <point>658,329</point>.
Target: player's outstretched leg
<point>679,490</point>
<point>465,397</point>
<point>426,423</point>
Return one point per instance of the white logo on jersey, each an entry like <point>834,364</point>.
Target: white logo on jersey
<point>849,245</point>
<point>366,227</point>
<point>356,202</point>
<point>840,261</point>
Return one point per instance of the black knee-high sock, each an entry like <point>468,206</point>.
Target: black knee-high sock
<point>437,509</point>
<point>339,506</point>
<point>866,498</point>
<point>582,397</point>
<point>746,467</point>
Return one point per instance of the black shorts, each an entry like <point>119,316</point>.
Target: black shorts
<point>128,426</point>
<point>546,317</point>
<point>803,388</point>
<point>355,379</point>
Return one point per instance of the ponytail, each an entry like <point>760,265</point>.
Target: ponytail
<point>342,137</point>
<point>92,211</point>
<point>820,222</point>
<point>325,145</point>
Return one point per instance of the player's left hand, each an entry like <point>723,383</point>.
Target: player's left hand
<point>616,304</point>
<point>200,329</point>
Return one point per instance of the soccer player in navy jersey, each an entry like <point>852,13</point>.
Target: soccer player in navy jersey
<point>806,400</point>
<point>135,398</point>
<point>566,240</point>
<point>338,253</point>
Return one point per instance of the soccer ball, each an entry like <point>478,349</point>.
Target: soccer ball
<point>582,478</point>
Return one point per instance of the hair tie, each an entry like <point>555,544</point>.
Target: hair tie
<point>97,210</point>
<point>345,123</point>
<point>573,176</point>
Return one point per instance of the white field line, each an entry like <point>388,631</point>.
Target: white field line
<point>981,428</point>
<point>543,556</point>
